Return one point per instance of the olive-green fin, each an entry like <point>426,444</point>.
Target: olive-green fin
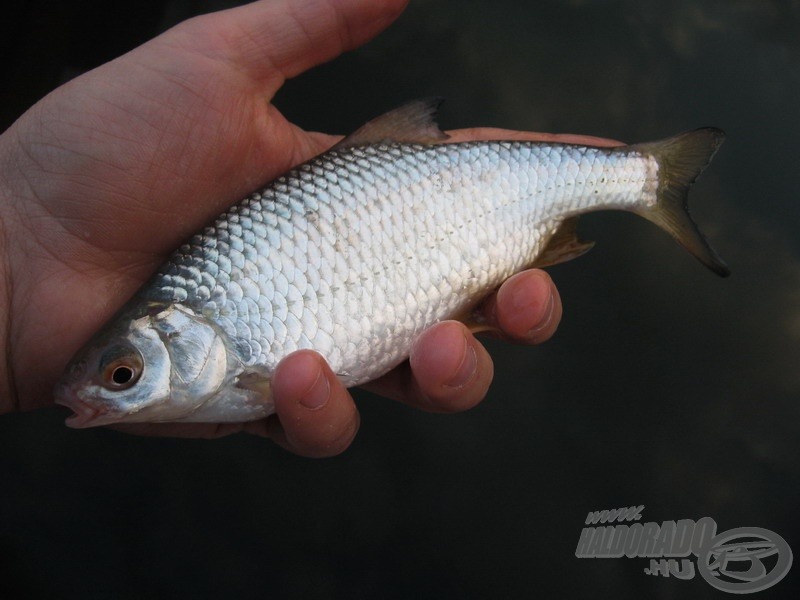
<point>681,159</point>
<point>413,122</point>
<point>563,245</point>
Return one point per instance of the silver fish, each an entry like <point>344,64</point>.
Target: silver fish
<point>356,252</point>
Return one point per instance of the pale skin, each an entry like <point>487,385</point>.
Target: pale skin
<point>104,177</point>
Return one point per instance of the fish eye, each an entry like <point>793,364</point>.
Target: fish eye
<point>120,367</point>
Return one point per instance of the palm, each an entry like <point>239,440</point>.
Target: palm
<point>141,157</point>
<point>112,171</point>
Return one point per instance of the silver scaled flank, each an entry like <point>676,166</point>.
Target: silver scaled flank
<point>356,252</point>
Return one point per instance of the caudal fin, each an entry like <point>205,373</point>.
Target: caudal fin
<point>681,159</point>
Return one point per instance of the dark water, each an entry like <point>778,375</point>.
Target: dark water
<point>665,387</point>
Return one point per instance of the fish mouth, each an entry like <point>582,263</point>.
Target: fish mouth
<point>84,414</point>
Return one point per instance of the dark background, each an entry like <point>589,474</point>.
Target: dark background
<point>665,385</point>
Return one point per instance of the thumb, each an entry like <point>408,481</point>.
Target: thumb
<point>271,41</point>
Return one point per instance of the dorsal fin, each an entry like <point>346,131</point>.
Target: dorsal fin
<point>413,122</point>
<point>563,245</point>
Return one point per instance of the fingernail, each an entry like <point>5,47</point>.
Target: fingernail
<point>317,395</point>
<point>548,315</point>
<point>466,369</point>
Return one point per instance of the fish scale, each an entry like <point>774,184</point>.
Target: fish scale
<point>404,236</point>
<point>355,253</point>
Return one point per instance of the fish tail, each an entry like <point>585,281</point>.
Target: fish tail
<point>681,159</point>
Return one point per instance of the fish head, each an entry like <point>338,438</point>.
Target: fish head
<point>154,362</point>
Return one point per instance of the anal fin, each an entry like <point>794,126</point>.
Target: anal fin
<point>563,245</point>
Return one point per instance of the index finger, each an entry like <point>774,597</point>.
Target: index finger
<point>482,134</point>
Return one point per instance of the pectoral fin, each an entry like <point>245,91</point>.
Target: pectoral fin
<point>256,381</point>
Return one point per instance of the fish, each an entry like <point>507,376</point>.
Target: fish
<point>356,252</point>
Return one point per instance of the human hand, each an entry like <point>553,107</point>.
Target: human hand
<point>104,177</point>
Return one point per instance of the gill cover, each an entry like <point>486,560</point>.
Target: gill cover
<point>157,363</point>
